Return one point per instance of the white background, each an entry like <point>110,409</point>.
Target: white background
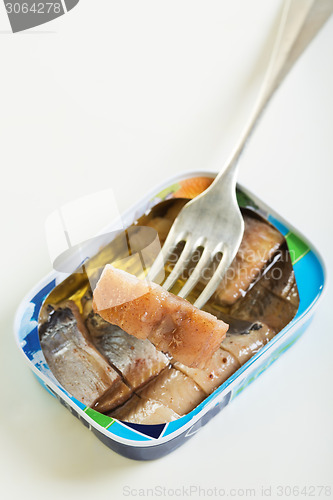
<point>123,94</point>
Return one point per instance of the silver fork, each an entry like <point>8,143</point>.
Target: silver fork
<point>213,220</point>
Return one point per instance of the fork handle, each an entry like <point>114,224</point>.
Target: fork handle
<point>300,22</point>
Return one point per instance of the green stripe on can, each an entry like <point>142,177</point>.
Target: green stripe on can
<point>99,418</point>
<point>297,247</point>
<point>244,200</point>
<point>165,192</point>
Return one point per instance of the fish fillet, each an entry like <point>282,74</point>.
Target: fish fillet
<point>137,360</point>
<point>260,304</point>
<point>144,411</point>
<point>118,393</point>
<point>75,362</point>
<point>175,390</point>
<point>243,345</point>
<point>221,365</point>
<point>147,311</point>
<point>259,244</point>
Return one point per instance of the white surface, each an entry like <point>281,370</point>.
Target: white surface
<point>122,95</point>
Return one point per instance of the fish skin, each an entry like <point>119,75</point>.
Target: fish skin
<point>144,411</point>
<point>137,360</point>
<point>118,393</point>
<point>73,359</point>
<point>175,390</point>
<point>146,310</point>
<point>285,286</point>
<point>260,304</point>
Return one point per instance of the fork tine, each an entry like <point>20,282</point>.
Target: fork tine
<point>195,276</point>
<point>214,281</point>
<point>180,265</point>
<point>158,266</point>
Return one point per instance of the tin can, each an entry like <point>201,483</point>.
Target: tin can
<point>146,442</point>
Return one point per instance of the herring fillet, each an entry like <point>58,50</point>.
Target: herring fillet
<point>147,311</point>
<point>244,345</point>
<point>259,244</point>
<point>144,411</point>
<point>220,367</point>
<point>75,362</point>
<point>137,360</point>
<point>175,390</point>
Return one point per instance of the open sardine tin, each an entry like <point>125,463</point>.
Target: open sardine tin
<point>145,442</point>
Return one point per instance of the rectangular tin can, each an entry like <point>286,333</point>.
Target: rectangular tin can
<point>146,442</point>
